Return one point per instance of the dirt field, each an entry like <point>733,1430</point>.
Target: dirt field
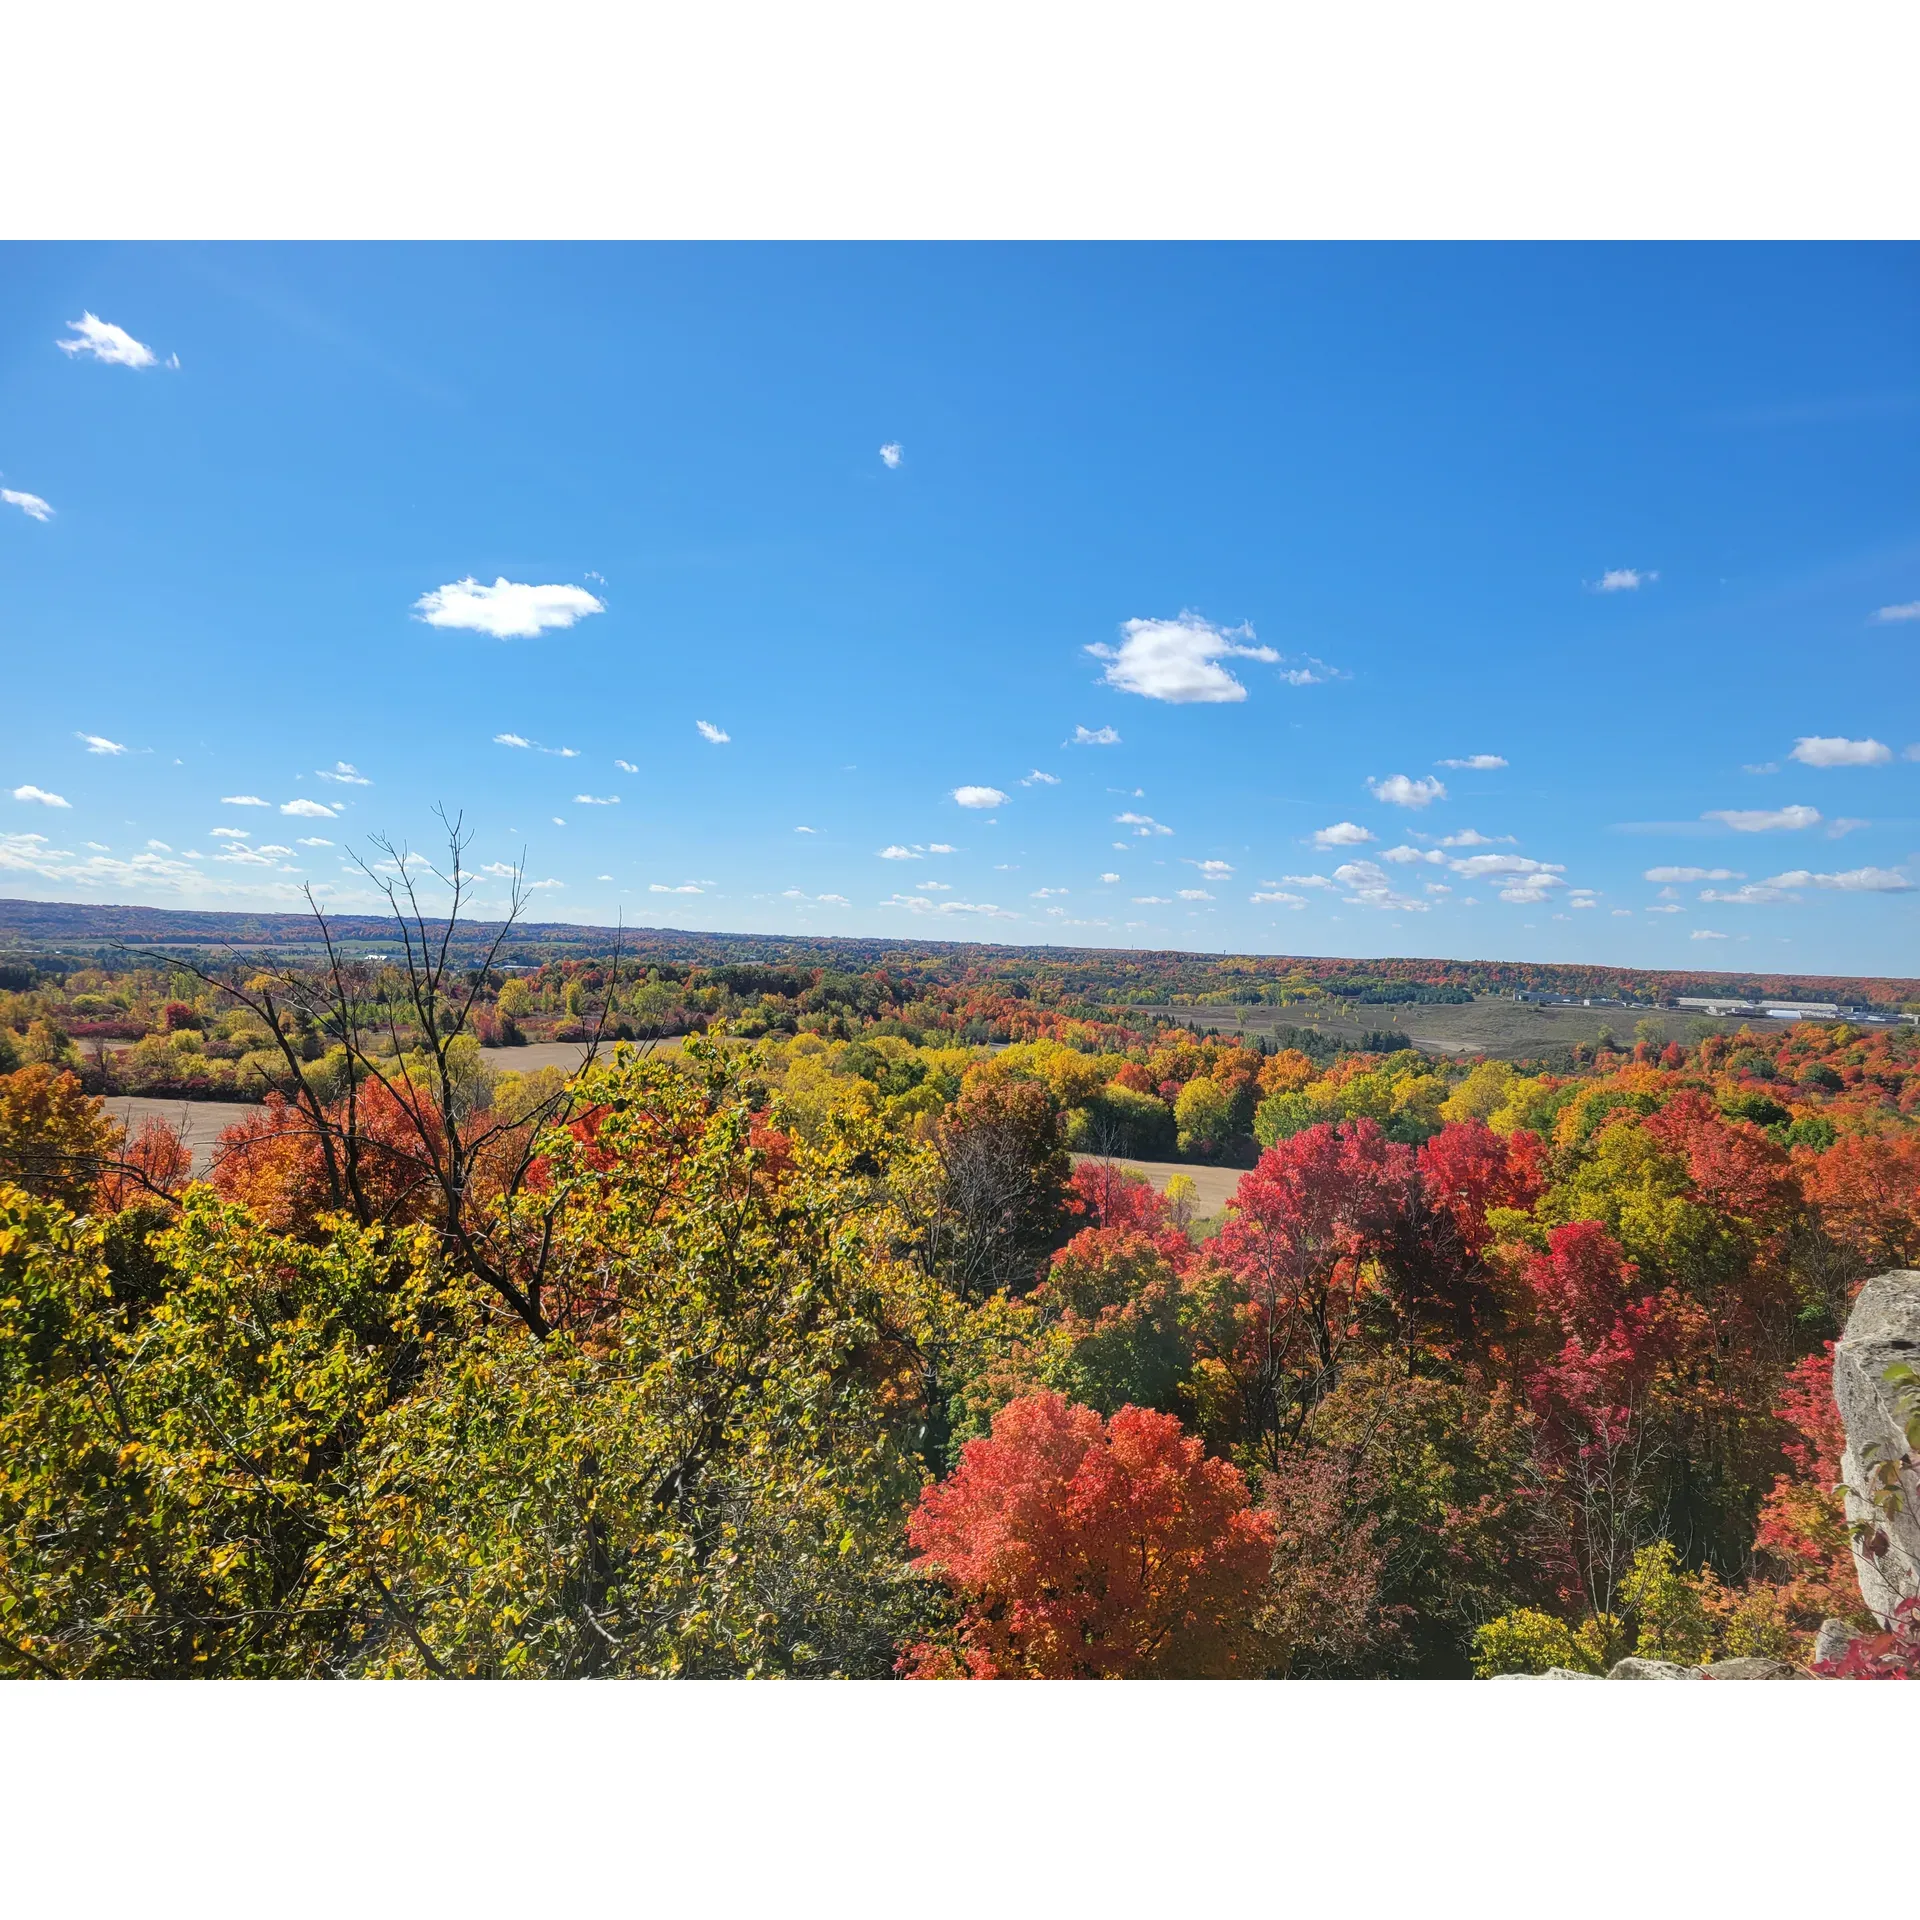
<point>1213,1186</point>
<point>199,1122</point>
<point>1507,1029</point>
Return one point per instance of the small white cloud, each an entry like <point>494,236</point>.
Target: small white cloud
<point>603,876</point>
<point>1038,779</point>
<point>1907,610</point>
<point>656,887</point>
<point>539,884</point>
<point>1839,829</point>
<point>892,454</point>
<point>1623,913</point>
<point>1342,833</point>
<point>833,900</point>
<point>1858,880</point>
<point>979,797</point>
<point>1623,580</point>
<point>1760,766</point>
<point>1277,899</point>
<point>557,821</point>
<point>40,797</point>
<point>497,868</point>
<point>898,853</point>
<point>718,736</point>
<point>104,341</point>
<point>242,800</point>
<point>1093,737</point>
<point>626,766</point>
<point>1751,895</point>
<point>1213,869</point>
<point>1475,763</point>
<point>159,846</point>
<point>1666,909</point>
<point>29,503</point>
<point>99,743</point>
<point>232,833</point>
<point>1817,750</point>
<point>511,740</point>
<point>1193,893</point>
<point>507,610</point>
<point>806,829</point>
<point>1668,875</point>
<point>1705,933</point>
<point>1539,872</point>
<point>1046,893</point>
<point>940,846</point>
<point>1764,820</point>
<point>1109,879</point>
<point>1396,790</point>
<point>1179,660</point>
<point>308,810</point>
<point>1145,826</point>
<point>1404,856</point>
<point>933,886</point>
<point>345,774</point>
<point>1472,839</point>
<point>1150,900</point>
<point>317,842</point>
<point>596,800</point>
<point>914,903</point>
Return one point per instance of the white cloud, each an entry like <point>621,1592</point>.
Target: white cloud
<point>1144,825</point>
<point>1762,820</point>
<point>308,810</point>
<point>511,740</point>
<point>99,743</point>
<point>1093,737</point>
<point>979,797</point>
<point>1299,880</point>
<point>1705,933</point>
<point>1396,790</point>
<point>242,800</point>
<point>104,341</point>
<point>1666,909</point>
<point>1213,869</point>
<point>29,503</point>
<point>914,903</point>
<point>933,886</point>
<point>1316,673</point>
<point>1754,894</point>
<point>1342,834</point>
<point>656,887</point>
<point>1670,874</point>
<point>626,766</point>
<point>1046,893</point>
<point>833,900</point>
<point>507,610</point>
<point>898,853</point>
<point>557,821</point>
<point>1370,887</point>
<point>537,885</point>
<point>594,800</point>
<point>1193,893</point>
<point>1623,913</point>
<point>1277,899</point>
<point>1839,829</point>
<point>316,842</point>
<point>1404,856</point>
<point>1150,900</point>
<point>1858,880</point>
<point>1038,779</point>
<point>940,846</point>
<point>717,736</point>
<point>497,868</point>
<point>40,796</point>
<point>345,774</point>
<point>1623,580</point>
<point>1109,879</point>
<point>1475,763</point>
<point>1178,660</point>
<point>892,454</point>
<point>1818,750</point>
<point>1907,610</point>
<point>1473,839</point>
<point>232,833</point>
<point>159,846</point>
<point>1476,864</point>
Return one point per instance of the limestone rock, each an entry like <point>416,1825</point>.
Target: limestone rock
<point>1752,1666</point>
<point>1634,1668</point>
<point>1832,1641</point>
<point>1883,1328</point>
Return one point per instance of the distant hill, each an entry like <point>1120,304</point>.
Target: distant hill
<point>1114,975</point>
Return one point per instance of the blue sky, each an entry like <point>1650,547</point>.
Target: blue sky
<point>1356,600</point>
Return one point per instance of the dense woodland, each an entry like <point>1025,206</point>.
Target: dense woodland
<point>803,1345</point>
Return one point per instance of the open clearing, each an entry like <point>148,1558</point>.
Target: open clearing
<point>1492,1024</point>
<point>1212,1186</point>
<point>198,1122</point>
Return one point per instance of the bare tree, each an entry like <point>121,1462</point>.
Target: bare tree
<point>439,1151</point>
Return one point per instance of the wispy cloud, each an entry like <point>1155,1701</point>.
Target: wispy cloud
<point>596,800</point>
<point>1404,856</point>
<point>1093,737</point>
<point>1193,893</point>
<point>1396,790</point>
<point>1475,763</point>
<point>1764,819</point>
<point>1178,661</point>
<point>308,810</point>
<point>1754,894</point>
<point>317,842</point>
<point>898,853</point>
<point>102,340</point>
<point>1299,880</point>
<point>717,736</point>
<point>242,800</point>
<point>1343,833</point>
<point>344,774</point>
<point>918,903</point>
<point>979,798</point>
<point>39,796</point>
<point>534,746</point>
<point>1038,779</point>
<point>1906,610</point>
<point>1144,825</point>
<point>892,454</point>
<point>511,740</point>
<point>1820,750</point>
<point>1039,893</point>
<point>507,610</point>
<point>1213,869</point>
<point>1856,880</point>
<point>1151,900</point>
<point>232,833</point>
<point>29,503</point>
<point>1624,580</point>
<point>689,887</point>
<point>1477,865</point>
<point>1705,933</point>
<point>1368,886</point>
<point>1276,898</point>
<point>940,846</point>
<point>1109,879</point>
<point>99,743</point>
<point>626,766</point>
<point>806,829</point>
<point>1472,839</point>
<point>1668,875</point>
